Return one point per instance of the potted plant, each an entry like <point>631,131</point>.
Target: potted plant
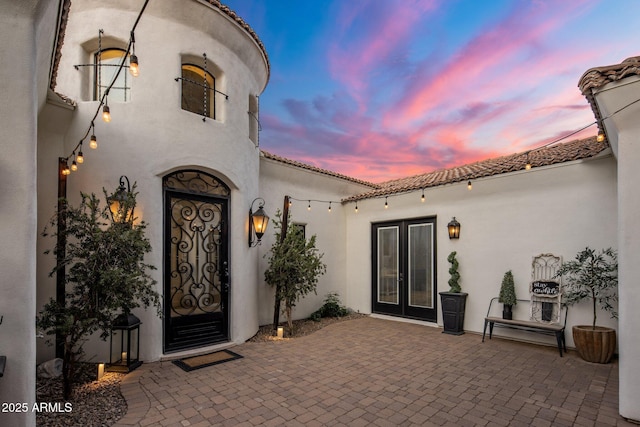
<point>593,275</point>
<point>507,295</point>
<point>454,301</point>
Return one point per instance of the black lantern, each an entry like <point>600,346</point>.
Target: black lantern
<point>125,331</point>
<point>122,203</point>
<point>258,222</point>
<point>454,228</point>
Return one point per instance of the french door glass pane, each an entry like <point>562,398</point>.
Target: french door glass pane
<point>388,265</point>
<point>420,267</point>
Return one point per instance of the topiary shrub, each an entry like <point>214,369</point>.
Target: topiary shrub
<point>508,290</point>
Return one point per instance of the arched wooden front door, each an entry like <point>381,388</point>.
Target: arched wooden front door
<point>196,274</point>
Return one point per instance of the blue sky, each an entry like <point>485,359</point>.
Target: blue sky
<point>382,89</point>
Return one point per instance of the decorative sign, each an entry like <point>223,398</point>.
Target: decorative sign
<point>545,288</point>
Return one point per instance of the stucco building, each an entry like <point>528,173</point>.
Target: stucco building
<point>186,131</point>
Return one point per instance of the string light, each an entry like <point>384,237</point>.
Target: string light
<point>600,137</point>
<point>386,204</point>
<point>356,206</point>
<point>422,198</point>
<point>528,165</point>
<point>74,166</point>
<point>329,207</point>
<point>309,207</point>
<point>106,113</point>
<point>469,186</point>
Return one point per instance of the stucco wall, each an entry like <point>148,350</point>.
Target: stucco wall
<point>151,135</point>
<point>26,28</point>
<point>505,221</point>
<point>276,181</point>
<point>618,100</point>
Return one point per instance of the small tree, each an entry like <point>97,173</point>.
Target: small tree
<point>294,267</point>
<point>105,275</point>
<point>508,290</point>
<point>454,280</point>
<point>592,276</point>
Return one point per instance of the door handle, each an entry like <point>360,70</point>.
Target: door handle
<point>400,277</point>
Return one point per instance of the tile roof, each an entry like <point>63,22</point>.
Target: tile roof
<point>597,77</point>
<point>301,165</point>
<point>559,153</point>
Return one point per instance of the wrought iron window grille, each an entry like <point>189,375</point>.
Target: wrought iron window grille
<point>206,88</point>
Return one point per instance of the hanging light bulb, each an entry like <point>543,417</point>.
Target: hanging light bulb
<point>133,65</point>
<point>329,207</point>
<point>386,205</point>
<point>356,207</point>
<point>80,157</point>
<point>469,186</point>
<point>106,114</point>
<point>93,143</point>
<point>309,207</point>
<point>66,170</point>
<point>422,198</point>
<point>74,166</point>
<point>600,137</point>
<point>528,165</point>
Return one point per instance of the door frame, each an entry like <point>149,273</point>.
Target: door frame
<point>403,308</point>
<point>201,196</point>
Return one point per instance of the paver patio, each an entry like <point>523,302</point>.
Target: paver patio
<point>372,371</point>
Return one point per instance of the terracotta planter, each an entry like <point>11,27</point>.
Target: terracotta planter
<point>595,345</point>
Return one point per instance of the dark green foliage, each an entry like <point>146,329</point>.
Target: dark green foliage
<point>330,308</point>
<point>294,267</point>
<point>105,275</point>
<point>454,281</point>
<point>592,276</point>
<point>508,290</point>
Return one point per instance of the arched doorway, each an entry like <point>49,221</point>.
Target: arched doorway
<point>196,274</point>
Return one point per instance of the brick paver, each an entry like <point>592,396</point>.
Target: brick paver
<point>379,372</point>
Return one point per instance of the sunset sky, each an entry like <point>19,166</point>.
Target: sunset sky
<point>383,89</point>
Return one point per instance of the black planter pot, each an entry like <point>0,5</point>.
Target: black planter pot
<point>506,312</point>
<point>453,305</point>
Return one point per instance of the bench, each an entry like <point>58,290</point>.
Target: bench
<point>556,329</point>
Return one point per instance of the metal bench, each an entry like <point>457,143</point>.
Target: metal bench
<point>555,329</point>
<point>547,314</point>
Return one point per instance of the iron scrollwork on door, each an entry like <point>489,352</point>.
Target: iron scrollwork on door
<point>196,278</point>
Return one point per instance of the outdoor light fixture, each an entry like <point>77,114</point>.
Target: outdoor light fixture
<point>121,203</point>
<point>258,222</point>
<point>93,143</point>
<point>80,157</point>
<point>125,357</point>
<point>106,114</point>
<point>133,66</point>
<point>454,229</point>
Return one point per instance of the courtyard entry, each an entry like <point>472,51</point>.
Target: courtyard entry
<point>196,274</point>
<point>404,277</point>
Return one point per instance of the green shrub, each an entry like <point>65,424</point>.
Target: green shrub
<point>330,308</point>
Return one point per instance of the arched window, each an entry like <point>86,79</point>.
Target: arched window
<point>107,62</point>
<point>198,91</point>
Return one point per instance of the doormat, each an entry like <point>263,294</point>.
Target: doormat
<point>192,363</point>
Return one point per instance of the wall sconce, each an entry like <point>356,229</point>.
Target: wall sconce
<point>122,203</point>
<point>454,229</point>
<point>258,222</point>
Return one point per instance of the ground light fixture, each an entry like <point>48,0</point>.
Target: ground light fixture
<point>121,203</point>
<point>454,229</point>
<point>258,222</point>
